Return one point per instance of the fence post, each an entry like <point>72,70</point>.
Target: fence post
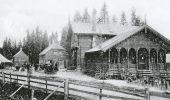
<point>167,85</point>
<point>147,93</point>
<point>32,95</point>
<point>100,97</point>
<point>17,78</point>
<point>3,77</point>
<point>10,77</point>
<point>46,85</point>
<point>28,80</point>
<point>66,89</point>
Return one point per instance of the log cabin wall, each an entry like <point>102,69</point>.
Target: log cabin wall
<point>81,43</point>
<point>84,42</point>
<point>53,55</point>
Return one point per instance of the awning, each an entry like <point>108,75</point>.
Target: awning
<point>167,58</point>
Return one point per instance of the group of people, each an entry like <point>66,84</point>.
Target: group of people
<point>159,82</point>
<point>47,68</point>
<point>26,67</point>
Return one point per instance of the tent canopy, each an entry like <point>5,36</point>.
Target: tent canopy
<point>4,60</point>
<point>168,58</point>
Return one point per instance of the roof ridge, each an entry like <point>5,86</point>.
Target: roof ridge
<point>116,38</point>
<point>52,46</point>
<point>19,52</point>
<point>125,34</point>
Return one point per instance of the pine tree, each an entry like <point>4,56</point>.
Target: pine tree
<point>14,48</point>
<point>114,19</point>
<point>19,44</point>
<point>94,20</point>
<point>44,41</point>
<point>27,43</point>
<point>104,17</point>
<point>123,19</point>
<point>56,37</point>
<point>77,17</point>
<point>133,17</point>
<point>86,17</point>
<point>64,37</point>
<point>139,22</point>
<point>1,50</point>
<point>7,48</point>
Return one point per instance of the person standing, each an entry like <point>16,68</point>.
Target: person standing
<point>56,66</point>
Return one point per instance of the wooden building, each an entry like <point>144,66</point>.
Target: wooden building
<point>20,58</point>
<point>117,50</point>
<point>168,63</point>
<point>84,36</point>
<point>54,53</point>
<point>140,51</point>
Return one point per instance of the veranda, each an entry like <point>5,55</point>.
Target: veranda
<point>119,63</point>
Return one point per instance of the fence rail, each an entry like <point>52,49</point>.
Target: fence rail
<point>46,82</point>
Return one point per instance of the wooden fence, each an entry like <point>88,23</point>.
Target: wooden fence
<point>44,83</point>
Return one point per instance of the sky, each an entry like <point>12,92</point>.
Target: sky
<point>17,16</point>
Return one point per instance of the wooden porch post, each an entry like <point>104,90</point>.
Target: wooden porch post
<point>78,58</point>
<point>109,63</point>
<point>119,65</point>
<point>149,59</point>
<point>128,59</point>
<point>137,60</point>
<point>157,67</point>
<point>102,69</point>
<point>165,67</point>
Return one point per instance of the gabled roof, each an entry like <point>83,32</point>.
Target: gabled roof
<point>20,54</point>
<point>109,29</point>
<point>3,59</point>
<point>56,46</point>
<point>119,38</point>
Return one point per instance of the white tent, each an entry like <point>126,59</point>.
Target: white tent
<point>168,58</point>
<point>4,60</point>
